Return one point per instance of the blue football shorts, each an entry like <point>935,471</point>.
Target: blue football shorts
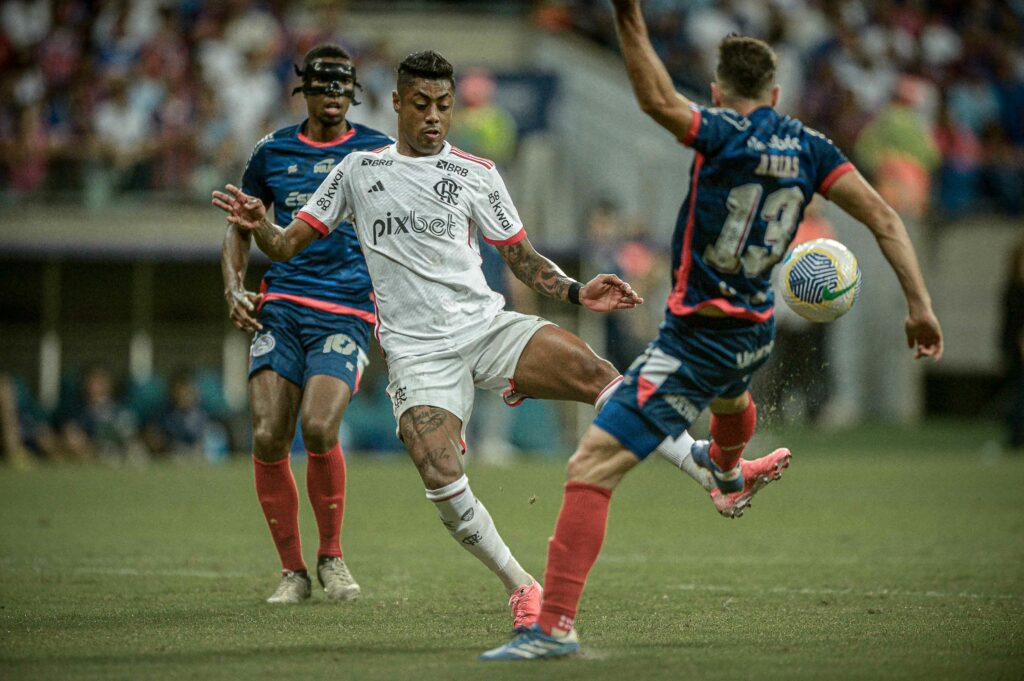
<point>299,342</point>
<point>693,360</point>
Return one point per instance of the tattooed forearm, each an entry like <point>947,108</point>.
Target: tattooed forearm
<point>536,271</point>
<point>271,240</point>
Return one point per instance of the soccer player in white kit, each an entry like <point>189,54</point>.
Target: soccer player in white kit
<point>417,205</point>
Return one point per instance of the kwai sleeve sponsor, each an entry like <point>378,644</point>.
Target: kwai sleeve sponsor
<point>495,214</point>
<point>329,205</point>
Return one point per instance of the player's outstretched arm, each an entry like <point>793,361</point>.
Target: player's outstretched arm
<point>651,81</point>
<point>603,293</point>
<point>234,261</point>
<point>250,215</point>
<point>852,193</point>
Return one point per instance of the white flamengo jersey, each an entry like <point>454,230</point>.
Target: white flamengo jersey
<point>417,220</point>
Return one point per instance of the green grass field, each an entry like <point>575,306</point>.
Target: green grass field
<point>882,554</point>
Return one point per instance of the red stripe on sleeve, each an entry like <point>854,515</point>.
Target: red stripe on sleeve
<point>691,135</point>
<point>313,222</point>
<point>519,236</point>
<point>831,178</point>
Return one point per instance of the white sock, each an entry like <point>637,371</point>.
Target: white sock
<point>471,525</point>
<point>678,452</point>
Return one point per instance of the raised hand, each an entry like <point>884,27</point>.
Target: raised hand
<point>606,293</point>
<point>244,211</point>
<point>924,335</point>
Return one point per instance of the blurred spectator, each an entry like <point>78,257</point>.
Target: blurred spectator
<point>610,247</point>
<point>24,430</point>
<point>1002,170</point>
<point>484,128</point>
<point>956,188</point>
<point>1012,347</point>
<point>124,139</point>
<point>185,428</point>
<point>897,151</point>
<point>100,427</point>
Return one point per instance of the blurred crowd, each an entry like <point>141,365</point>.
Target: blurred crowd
<point>107,96</point>
<point>179,418</point>
<point>928,97</point>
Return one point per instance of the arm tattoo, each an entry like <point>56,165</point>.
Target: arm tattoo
<point>433,459</point>
<point>270,239</point>
<point>536,271</point>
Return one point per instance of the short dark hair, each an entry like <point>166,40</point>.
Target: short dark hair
<point>325,51</point>
<point>746,66</point>
<point>428,65</point>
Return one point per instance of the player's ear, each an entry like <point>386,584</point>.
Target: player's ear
<point>396,101</point>
<point>776,90</point>
<point>716,94</point>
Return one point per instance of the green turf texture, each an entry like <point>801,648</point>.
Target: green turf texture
<point>882,554</point>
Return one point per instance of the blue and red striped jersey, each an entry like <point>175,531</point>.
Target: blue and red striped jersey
<point>751,178</point>
<point>285,168</point>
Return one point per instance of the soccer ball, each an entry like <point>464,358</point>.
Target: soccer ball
<point>819,280</point>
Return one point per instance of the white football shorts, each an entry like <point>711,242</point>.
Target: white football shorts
<point>447,379</point>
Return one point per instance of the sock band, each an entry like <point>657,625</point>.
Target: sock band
<point>606,393</point>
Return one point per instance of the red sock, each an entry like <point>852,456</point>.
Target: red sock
<point>325,481</point>
<point>572,551</point>
<point>275,488</point>
<point>730,434</point>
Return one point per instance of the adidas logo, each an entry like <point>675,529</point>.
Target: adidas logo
<point>378,187</point>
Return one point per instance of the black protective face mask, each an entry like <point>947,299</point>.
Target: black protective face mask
<point>330,73</point>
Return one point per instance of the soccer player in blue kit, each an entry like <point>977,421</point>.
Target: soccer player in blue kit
<point>312,321</point>
<point>753,173</point>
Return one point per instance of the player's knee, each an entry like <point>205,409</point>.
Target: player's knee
<point>271,439</point>
<point>437,467</point>
<point>587,458</point>
<point>269,444</point>
<point>319,433</point>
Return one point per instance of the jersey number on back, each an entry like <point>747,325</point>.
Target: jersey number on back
<point>729,252</point>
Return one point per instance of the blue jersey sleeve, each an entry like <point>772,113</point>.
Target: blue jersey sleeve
<point>828,162</point>
<point>712,128</point>
<point>254,179</point>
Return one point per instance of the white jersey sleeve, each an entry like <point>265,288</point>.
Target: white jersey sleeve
<point>329,205</point>
<point>495,214</point>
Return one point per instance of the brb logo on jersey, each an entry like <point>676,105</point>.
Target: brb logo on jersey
<point>448,191</point>
<point>397,224</point>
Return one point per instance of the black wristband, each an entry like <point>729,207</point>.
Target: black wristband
<point>574,292</point>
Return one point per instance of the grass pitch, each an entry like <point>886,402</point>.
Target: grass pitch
<point>882,554</point>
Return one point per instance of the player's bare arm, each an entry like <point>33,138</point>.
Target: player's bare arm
<point>651,81</point>
<point>853,194</point>
<point>603,293</point>
<point>234,262</point>
<point>250,215</point>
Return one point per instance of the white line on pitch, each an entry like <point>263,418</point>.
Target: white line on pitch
<point>825,591</point>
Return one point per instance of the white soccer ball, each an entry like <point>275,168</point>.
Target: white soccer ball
<point>819,280</point>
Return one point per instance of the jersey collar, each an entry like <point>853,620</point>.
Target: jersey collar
<point>340,139</point>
